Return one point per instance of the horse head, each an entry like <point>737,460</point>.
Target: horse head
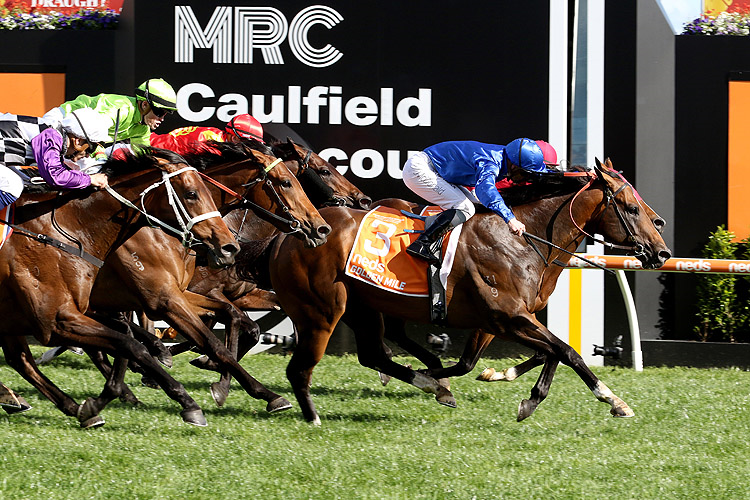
<point>189,206</point>
<point>311,170</point>
<point>627,222</point>
<point>270,189</point>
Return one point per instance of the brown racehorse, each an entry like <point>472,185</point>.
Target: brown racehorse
<point>325,186</point>
<point>155,281</point>
<point>497,283</point>
<point>46,291</point>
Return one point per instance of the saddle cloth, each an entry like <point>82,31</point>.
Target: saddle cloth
<point>6,214</point>
<point>378,256</point>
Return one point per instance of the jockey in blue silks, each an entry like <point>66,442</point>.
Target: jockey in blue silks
<point>442,174</point>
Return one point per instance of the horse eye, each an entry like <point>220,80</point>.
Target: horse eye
<point>191,195</point>
<point>324,171</point>
<point>632,210</point>
<point>286,183</point>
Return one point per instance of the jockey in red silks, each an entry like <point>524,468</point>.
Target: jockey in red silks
<point>189,139</point>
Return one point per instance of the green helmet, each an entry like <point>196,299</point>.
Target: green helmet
<point>158,93</point>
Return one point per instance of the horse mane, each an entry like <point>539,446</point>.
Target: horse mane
<point>542,186</point>
<point>144,159</point>
<point>251,262</point>
<point>212,152</point>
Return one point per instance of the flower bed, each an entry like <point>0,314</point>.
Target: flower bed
<point>81,20</point>
<point>725,24</point>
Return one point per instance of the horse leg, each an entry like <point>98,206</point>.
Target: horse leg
<point>368,327</point>
<point>101,362</point>
<point>78,329</point>
<point>512,373</point>
<point>19,357</point>
<point>529,331</point>
<point>180,314</point>
<point>539,391</point>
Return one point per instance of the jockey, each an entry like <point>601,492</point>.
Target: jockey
<point>188,139</point>
<point>442,174</point>
<point>132,117</point>
<point>52,146</point>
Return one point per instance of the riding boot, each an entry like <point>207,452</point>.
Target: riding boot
<point>444,222</point>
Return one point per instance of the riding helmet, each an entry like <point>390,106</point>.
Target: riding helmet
<point>158,93</point>
<point>526,154</point>
<point>245,127</point>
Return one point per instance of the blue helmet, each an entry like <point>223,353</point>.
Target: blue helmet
<point>526,154</point>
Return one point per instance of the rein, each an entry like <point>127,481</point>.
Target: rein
<point>181,214</point>
<point>294,224</point>
<point>637,249</point>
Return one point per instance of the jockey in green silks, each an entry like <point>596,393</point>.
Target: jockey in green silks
<point>133,118</point>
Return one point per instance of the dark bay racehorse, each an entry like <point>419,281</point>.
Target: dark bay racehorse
<point>497,283</point>
<point>137,278</point>
<point>46,291</point>
<point>325,186</point>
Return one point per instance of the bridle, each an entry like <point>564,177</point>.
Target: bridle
<point>636,248</point>
<point>290,221</point>
<point>185,221</point>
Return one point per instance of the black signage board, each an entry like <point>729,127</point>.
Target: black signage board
<point>364,82</point>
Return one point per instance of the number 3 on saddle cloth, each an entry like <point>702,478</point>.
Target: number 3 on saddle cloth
<point>379,257</point>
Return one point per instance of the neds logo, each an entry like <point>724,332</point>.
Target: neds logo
<point>234,34</point>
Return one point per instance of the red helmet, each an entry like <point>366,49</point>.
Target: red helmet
<point>245,127</point>
<point>550,155</point>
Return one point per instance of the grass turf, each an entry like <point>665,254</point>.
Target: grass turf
<point>687,440</point>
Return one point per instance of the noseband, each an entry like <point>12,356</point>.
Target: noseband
<point>184,219</point>
<point>291,221</point>
<point>636,248</point>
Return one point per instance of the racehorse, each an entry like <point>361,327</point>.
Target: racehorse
<point>46,291</point>
<point>155,281</point>
<point>497,282</point>
<point>325,186</point>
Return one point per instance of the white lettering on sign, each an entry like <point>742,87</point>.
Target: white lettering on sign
<point>698,265</point>
<point>361,111</point>
<point>737,267</point>
<point>234,34</point>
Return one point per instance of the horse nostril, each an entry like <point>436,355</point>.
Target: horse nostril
<point>324,230</point>
<point>365,202</point>
<point>230,249</point>
<point>659,224</point>
<point>665,255</point>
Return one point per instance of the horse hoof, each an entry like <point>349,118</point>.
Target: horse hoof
<point>129,398</point>
<point>219,392</point>
<point>194,417</point>
<point>204,363</point>
<point>12,410</point>
<point>624,412</point>
<point>486,374</point>
<point>445,383</point>
<point>384,379</point>
<point>165,358</point>
<point>525,409</point>
<point>278,404</point>
<point>93,422</point>
<point>147,381</point>
<point>88,415</point>
<point>444,397</point>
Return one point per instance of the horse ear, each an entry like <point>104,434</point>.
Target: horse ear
<point>608,164</point>
<point>599,169</point>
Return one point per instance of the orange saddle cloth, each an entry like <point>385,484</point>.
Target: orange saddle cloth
<point>378,256</point>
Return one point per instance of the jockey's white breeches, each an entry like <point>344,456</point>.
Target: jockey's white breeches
<point>421,177</point>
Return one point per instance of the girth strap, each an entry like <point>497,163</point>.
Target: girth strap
<point>48,240</point>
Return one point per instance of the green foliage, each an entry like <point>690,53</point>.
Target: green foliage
<point>721,315</point>
<point>688,438</point>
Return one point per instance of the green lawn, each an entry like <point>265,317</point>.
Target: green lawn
<point>688,439</point>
